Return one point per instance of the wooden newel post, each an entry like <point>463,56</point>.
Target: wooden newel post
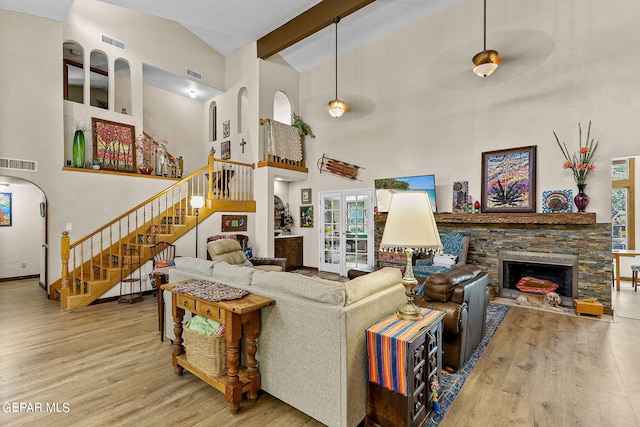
<point>210,192</point>
<point>65,259</point>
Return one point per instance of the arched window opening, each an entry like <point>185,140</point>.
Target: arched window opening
<point>73,57</point>
<point>282,108</point>
<point>122,82</point>
<point>243,110</point>
<point>99,80</point>
<point>213,121</point>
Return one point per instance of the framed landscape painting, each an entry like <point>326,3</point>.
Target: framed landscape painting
<point>509,180</point>
<point>114,145</point>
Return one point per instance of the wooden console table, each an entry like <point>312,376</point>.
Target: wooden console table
<point>240,315</point>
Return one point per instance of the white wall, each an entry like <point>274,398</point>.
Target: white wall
<point>32,112</point>
<point>417,108</point>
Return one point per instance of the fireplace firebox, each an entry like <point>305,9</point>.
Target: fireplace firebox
<point>558,268</point>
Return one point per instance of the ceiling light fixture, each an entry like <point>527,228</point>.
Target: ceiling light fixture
<point>487,61</point>
<point>192,94</point>
<point>337,107</point>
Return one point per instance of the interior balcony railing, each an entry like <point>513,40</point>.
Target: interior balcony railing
<point>279,150</point>
<point>92,265</point>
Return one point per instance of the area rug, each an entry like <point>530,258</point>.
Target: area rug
<point>453,382</point>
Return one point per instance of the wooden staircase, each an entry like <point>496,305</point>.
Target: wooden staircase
<point>92,265</point>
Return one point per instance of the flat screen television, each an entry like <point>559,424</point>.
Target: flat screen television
<point>387,186</point>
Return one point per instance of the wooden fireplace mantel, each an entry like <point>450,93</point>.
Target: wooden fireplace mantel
<point>583,218</point>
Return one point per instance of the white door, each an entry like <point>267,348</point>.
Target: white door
<point>330,232</point>
<point>346,233</point>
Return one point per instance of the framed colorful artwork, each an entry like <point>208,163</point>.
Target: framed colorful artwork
<point>557,201</point>
<point>6,215</point>
<point>234,222</point>
<point>306,216</point>
<point>460,197</point>
<point>509,180</point>
<point>114,145</point>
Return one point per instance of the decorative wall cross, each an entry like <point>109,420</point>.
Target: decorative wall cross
<point>242,144</point>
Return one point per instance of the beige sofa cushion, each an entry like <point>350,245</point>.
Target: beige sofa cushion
<point>201,267</point>
<point>311,288</point>
<point>369,284</point>
<point>231,274</point>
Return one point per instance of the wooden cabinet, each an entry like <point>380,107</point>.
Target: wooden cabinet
<point>386,408</point>
<point>290,247</point>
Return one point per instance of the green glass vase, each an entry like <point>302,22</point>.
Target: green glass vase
<point>78,149</point>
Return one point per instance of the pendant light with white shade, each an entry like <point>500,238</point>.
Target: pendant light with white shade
<point>487,61</point>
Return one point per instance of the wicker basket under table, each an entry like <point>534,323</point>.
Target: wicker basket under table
<point>206,352</point>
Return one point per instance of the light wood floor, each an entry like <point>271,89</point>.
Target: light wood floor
<point>626,302</point>
<point>107,364</point>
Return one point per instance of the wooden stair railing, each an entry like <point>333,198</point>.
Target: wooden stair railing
<point>91,265</point>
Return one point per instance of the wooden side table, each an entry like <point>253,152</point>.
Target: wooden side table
<point>423,350</point>
<point>239,316</point>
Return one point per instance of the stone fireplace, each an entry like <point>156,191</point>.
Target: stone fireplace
<point>560,269</point>
<point>575,234</point>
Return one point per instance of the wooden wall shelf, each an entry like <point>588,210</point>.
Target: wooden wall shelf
<point>583,218</point>
<point>115,172</point>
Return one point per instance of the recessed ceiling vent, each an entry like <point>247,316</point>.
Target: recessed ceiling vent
<point>192,73</point>
<point>113,42</point>
<point>21,165</point>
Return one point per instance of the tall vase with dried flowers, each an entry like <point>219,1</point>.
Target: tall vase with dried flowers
<point>581,164</point>
<point>147,147</point>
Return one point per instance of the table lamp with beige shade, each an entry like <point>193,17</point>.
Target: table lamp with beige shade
<point>410,227</point>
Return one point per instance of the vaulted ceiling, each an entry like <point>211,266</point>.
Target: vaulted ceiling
<point>228,25</point>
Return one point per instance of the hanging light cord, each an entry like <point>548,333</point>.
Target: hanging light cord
<point>335,21</point>
<point>484,43</point>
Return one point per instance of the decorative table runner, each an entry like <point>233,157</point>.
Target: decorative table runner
<point>386,348</point>
<point>210,291</point>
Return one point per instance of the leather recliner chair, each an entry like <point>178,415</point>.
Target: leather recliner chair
<point>462,294</point>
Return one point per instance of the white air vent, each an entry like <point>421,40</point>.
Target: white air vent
<point>15,164</point>
<point>193,73</point>
<point>113,42</point>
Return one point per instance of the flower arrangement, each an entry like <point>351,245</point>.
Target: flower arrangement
<point>582,162</point>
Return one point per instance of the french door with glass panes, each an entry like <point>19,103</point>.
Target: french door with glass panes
<point>346,231</point>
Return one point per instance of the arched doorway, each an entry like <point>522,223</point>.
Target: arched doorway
<point>23,253</point>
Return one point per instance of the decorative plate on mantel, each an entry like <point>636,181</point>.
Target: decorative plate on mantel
<point>557,201</point>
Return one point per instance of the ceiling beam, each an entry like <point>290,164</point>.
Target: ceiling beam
<point>307,23</point>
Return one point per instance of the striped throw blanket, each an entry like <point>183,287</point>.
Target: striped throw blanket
<point>387,348</point>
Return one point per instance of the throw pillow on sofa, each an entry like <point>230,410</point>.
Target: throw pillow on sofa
<point>369,284</point>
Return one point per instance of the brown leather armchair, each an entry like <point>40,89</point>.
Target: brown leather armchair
<point>463,296</point>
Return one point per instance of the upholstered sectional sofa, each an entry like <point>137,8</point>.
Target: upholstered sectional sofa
<point>312,348</point>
